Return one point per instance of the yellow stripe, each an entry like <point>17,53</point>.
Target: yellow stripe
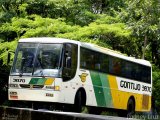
<point>114,91</point>
<point>49,81</point>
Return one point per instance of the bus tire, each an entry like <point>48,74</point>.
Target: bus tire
<point>80,100</point>
<point>131,107</point>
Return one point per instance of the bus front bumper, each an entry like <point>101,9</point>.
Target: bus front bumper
<point>35,95</point>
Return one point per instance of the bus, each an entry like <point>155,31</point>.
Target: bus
<point>63,71</point>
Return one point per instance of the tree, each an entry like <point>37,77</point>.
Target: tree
<point>142,17</point>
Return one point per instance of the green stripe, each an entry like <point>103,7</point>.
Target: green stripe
<point>98,90</point>
<point>106,89</point>
<point>38,81</point>
<point>41,81</point>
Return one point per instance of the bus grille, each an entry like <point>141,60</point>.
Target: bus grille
<point>31,86</point>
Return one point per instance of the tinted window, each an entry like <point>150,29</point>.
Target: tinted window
<point>104,60</point>
<point>114,65</point>
<point>87,59</point>
<point>70,61</point>
<point>93,60</point>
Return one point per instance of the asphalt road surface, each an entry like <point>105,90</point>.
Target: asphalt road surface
<point>12,113</point>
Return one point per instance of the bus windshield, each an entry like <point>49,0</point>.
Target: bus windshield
<point>37,59</point>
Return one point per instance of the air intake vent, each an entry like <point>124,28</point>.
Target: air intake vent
<point>31,86</point>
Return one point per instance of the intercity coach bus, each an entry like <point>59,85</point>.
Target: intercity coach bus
<point>62,71</point>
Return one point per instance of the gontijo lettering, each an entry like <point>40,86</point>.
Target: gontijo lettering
<point>134,86</point>
<point>130,85</point>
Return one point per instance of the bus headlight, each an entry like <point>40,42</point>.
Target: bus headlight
<point>13,95</point>
<point>56,88</point>
<point>13,85</point>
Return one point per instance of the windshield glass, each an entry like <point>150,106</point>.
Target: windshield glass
<point>48,60</point>
<point>37,59</point>
<point>24,58</point>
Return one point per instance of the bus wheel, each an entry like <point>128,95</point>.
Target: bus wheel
<point>130,107</point>
<point>80,101</point>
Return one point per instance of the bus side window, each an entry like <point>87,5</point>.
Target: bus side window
<point>70,61</point>
<point>86,59</point>
<point>82,58</point>
<point>104,62</point>
<point>146,73</point>
<point>96,61</point>
<point>97,66</point>
<point>114,66</point>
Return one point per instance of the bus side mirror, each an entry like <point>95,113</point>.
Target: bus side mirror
<point>8,58</point>
<point>67,70</point>
<point>68,62</point>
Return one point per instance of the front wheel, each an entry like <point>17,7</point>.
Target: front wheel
<point>78,102</point>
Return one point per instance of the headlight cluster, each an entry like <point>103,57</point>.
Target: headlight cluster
<point>56,88</point>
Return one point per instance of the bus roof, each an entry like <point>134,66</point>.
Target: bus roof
<point>47,40</point>
<point>115,54</point>
<point>86,45</point>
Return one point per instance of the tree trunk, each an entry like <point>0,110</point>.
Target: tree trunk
<point>144,47</point>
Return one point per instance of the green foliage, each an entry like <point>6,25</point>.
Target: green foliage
<point>98,31</point>
<point>36,26</point>
<point>5,49</point>
<point>106,19</point>
<point>142,16</point>
<point>156,86</point>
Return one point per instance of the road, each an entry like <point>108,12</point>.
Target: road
<point>12,113</point>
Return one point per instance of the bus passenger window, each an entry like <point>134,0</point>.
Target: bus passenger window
<point>115,66</point>
<point>83,64</point>
<point>97,66</point>
<point>96,61</point>
<point>104,63</point>
<point>84,58</point>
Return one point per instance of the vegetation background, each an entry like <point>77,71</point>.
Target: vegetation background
<point>129,26</point>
